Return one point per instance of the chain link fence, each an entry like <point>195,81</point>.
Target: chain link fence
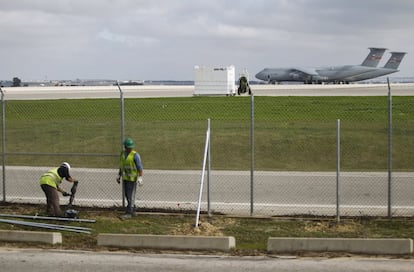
<point>269,155</point>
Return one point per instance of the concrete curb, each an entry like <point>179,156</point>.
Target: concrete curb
<point>31,236</point>
<point>226,243</point>
<point>221,243</point>
<point>351,245</point>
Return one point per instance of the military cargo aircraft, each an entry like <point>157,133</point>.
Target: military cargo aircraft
<point>390,67</point>
<point>335,74</point>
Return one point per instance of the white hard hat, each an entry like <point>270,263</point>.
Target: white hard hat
<point>66,165</point>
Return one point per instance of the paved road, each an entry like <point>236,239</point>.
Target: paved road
<point>145,91</point>
<point>33,260</point>
<point>275,193</point>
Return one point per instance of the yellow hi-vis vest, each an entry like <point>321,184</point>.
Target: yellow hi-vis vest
<point>129,170</point>
<point>51,178</point>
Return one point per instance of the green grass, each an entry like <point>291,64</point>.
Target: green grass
<point>291,133</point>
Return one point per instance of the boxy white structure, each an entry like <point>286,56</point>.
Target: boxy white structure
<point>214,81</point>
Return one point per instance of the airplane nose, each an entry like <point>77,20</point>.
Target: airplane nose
<point>260,75</point>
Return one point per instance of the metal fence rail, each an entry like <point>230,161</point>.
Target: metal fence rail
<point>269,156</point>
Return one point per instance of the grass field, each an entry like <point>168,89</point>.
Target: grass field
<point>290,133</point>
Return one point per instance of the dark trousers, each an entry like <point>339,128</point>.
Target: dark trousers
<point>52,200</point>
<point>130,190</point>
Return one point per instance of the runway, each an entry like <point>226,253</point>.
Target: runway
<point>153,91</point>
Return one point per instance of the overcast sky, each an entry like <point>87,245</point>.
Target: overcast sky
<point>165,39</point>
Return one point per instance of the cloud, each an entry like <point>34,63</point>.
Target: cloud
<point>104,38</point>
<point>128,40</point>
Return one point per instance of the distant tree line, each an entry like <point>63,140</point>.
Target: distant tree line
<point>16,82</point>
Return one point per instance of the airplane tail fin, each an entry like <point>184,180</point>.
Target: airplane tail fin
<point>395,60</point>
<point>373,57</point>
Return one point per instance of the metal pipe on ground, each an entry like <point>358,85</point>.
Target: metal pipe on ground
<point>55,225</point>
<point>44,225</point>
<point>47,226</point>
<point>49,218</point>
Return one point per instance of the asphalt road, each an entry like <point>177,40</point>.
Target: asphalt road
<point>275,193</point>
<point>69,261</point>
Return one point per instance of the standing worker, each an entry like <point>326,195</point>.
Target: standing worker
<point>130,171</point>
<point>50,184</point>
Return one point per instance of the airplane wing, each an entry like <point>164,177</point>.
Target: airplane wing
<point>307,71</point>
<point>302,74</point>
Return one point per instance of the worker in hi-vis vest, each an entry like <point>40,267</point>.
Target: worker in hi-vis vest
<point>50,184</point>
<point>130,172</point>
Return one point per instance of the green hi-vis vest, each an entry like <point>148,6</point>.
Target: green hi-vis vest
<point>51,178</point>
<point>129,170</point>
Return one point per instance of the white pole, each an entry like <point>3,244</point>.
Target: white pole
<point>338,166</point>
<point>208,173</point>
<point>203,172</point>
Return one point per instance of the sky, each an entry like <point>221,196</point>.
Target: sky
<point>165,39</point>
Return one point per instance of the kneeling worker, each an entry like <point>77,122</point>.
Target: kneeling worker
<point>50,184</point>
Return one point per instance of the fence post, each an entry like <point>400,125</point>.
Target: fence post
<point>338,165</point>
<point>121,97</point>
<point>3,142</point>
<point>251,153</point>
<point>389,148</point>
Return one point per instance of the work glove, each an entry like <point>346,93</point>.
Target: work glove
<point>65,193</point>
<point>118,179</point>
<point>140,181</point>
